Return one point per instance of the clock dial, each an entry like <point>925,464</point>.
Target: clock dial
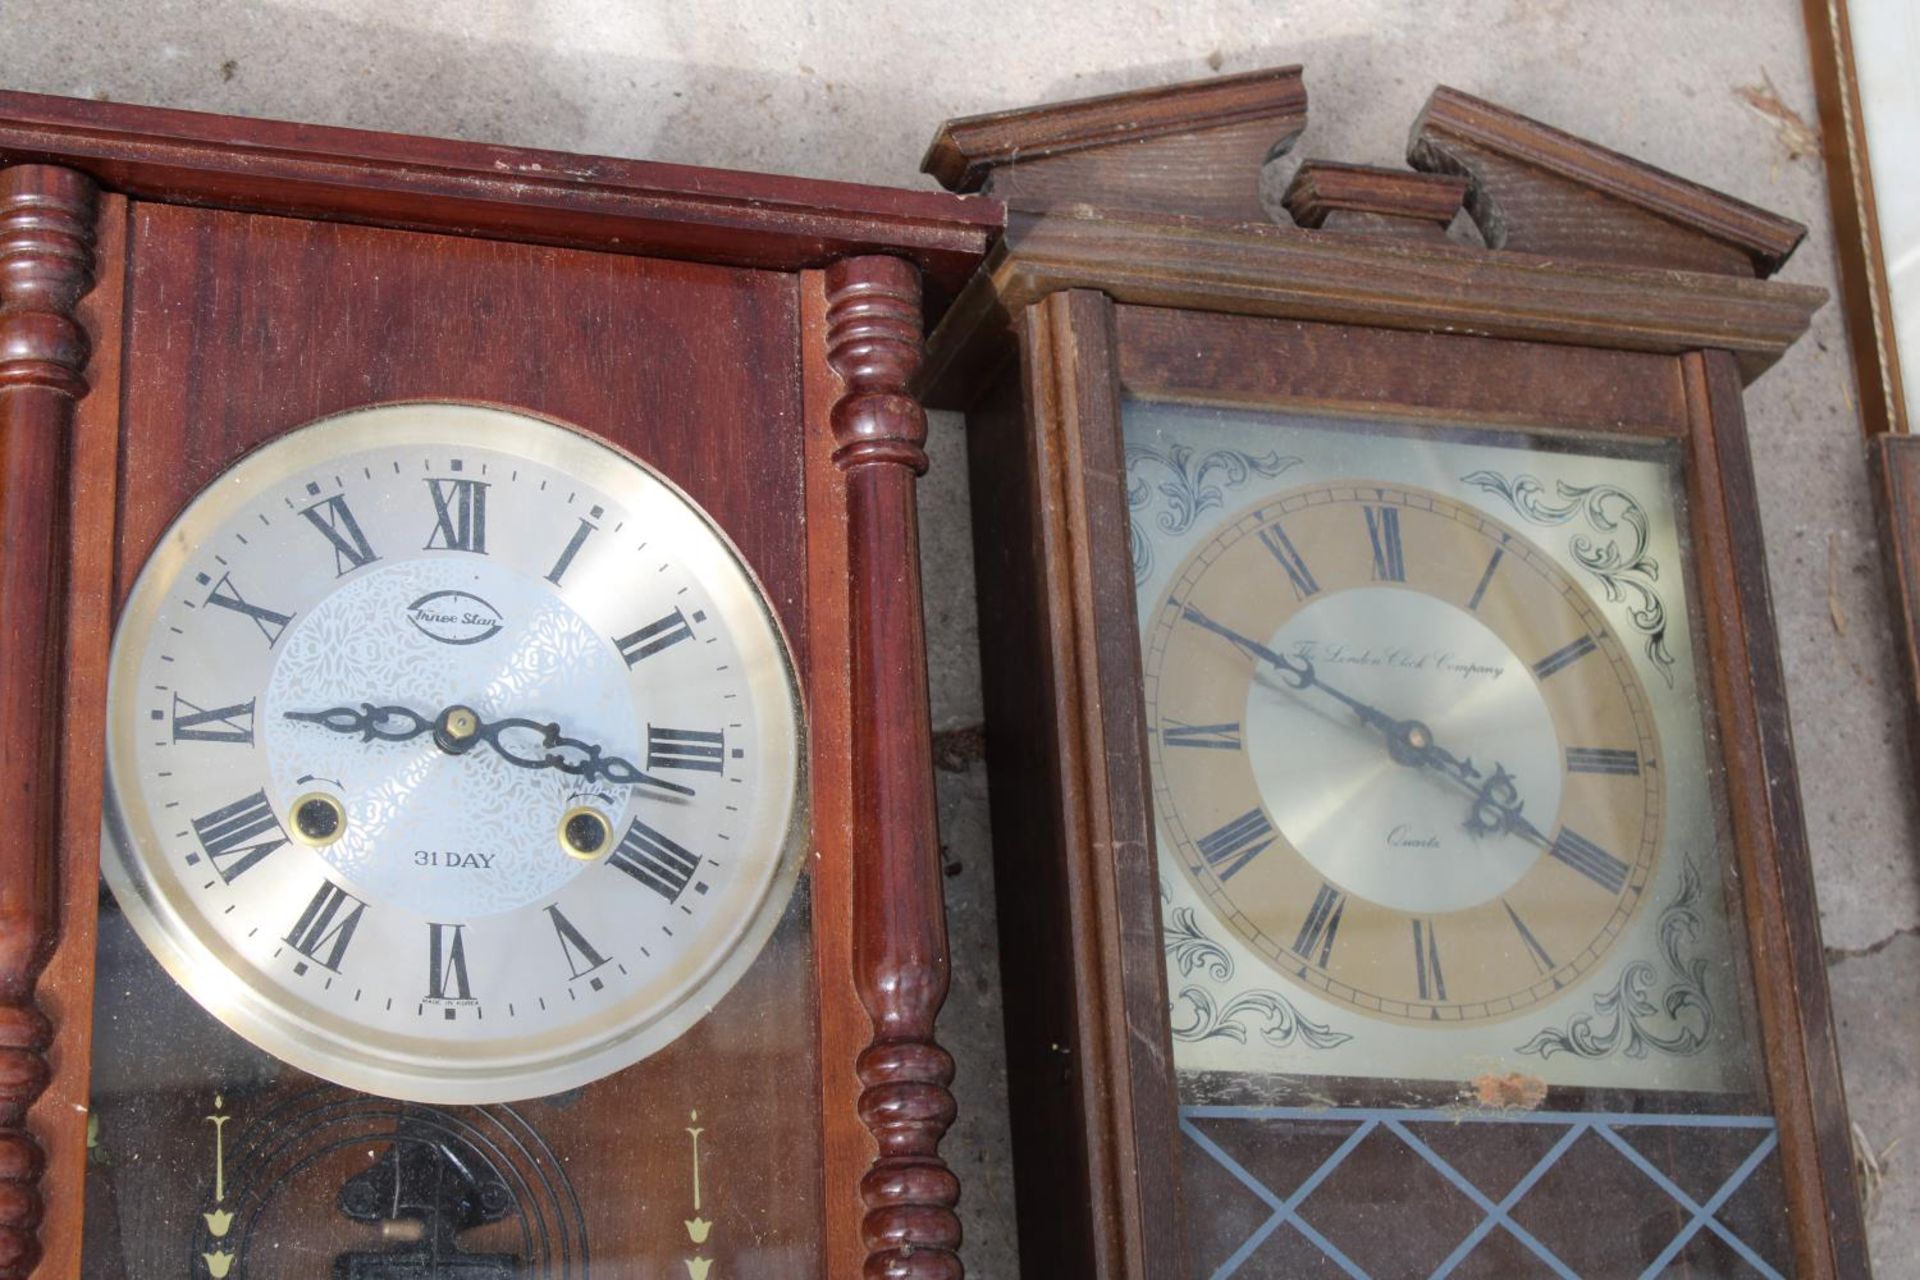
<point>1401,754</point>
<point>454,756</point>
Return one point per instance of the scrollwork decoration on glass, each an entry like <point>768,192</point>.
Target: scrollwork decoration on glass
<point>1280,1024</point>
<point>1188,487</point>
<point>1190,949</point>
<point>1196,1015</point>
<point>1617,559</point>
<point>1628,1018</point>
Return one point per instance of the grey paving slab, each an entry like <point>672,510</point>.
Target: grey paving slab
<point>833,88</point>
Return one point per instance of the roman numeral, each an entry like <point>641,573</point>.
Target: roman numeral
<point>1426,962</point>
<point>1590,860</point>
<point>654,637</point>
<point>1383,530</point>
<point>227,596</point>
<point>654,860</point>
<point>459,516</point>
<point>1602,760</point>
<point>582,959</point>
<point>579,539</point>
<point>327,923</point>
<point>447,963</point>
<point>1320,926</point>
<point>1220,737</point>
<point>221,724</point>
<point>332,518</point>
<point>1563,657</point>
<point>1480,592</point>
<point>1541,960</point>
<point>239,835</point>
<point>1235,845</point>
<point>1276,541</point>
<point>686,749</point>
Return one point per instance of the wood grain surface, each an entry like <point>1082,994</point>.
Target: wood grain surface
<point>46,266</point>
<point>899,924</point>
<point>545,197</point>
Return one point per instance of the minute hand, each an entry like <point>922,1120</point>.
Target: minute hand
<point>1298,673</point>
<point>1408,741</point>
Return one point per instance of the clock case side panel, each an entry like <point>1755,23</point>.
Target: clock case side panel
<point>1769,827</point>
<point>1089,1059</point>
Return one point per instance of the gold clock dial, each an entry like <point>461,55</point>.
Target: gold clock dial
<point>1401,754</point>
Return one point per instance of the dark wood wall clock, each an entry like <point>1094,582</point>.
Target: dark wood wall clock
<point>1401,866</point>
<point>474,593</point>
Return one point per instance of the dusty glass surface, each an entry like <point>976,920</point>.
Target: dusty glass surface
<point>1449,916</point>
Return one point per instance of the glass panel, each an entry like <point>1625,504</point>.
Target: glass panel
<point>212,1158</point>
<point>1457,976</point>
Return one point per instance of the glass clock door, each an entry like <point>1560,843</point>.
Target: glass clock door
<point>1456,976</point>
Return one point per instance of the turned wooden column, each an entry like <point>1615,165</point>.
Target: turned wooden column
<point>899,922</point>
<point>46,266</point>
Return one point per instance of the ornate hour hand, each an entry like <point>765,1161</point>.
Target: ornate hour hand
<point>388,723</point>
<point>458,729</point>
<point>572,756</point>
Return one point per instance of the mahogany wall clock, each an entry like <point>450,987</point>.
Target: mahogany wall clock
<point>465,710</point>
<point>1401,867</point>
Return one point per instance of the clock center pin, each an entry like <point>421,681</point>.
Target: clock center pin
<point>456,731</point>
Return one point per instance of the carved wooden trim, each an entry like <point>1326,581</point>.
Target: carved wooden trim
<point>1193,149</point>
<point>46,266</point>
<point>1534,189</point>
<point>1367,198</point>
<point>966,151</point>
<point>1289,273</point>
<point>899,927</point>
<point>459,188</point>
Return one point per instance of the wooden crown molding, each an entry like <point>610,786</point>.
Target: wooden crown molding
<point>1360,197</point>
<point>1187,148</point>
<point>1289,273</point>
<point>462,188</point>
<point>1532,189</point>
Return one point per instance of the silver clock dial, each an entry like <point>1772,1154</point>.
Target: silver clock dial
<point>453,756</point>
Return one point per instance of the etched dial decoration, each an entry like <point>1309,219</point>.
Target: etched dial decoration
<point>454,756</point>
<point>1401,753</point>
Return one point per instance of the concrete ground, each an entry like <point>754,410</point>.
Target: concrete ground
<point>1717,90</point>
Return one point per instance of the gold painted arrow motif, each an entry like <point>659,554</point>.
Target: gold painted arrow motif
<point>219,1219</point>
<point>697,1226</point>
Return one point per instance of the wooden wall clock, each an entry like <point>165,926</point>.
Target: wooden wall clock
<point>463,604</point>
<point>1401,866</point>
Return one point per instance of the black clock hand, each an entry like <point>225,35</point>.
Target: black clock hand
<point>590,763</point>
<point>1408,741</point>
<point>457,729</point>
<point>1496,800</point>
<point>388,723</point>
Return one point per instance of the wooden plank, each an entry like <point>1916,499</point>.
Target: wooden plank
<point>1347,369</point>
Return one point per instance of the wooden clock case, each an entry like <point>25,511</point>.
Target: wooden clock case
<point>1600,297</point>
<point>177,288</point>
